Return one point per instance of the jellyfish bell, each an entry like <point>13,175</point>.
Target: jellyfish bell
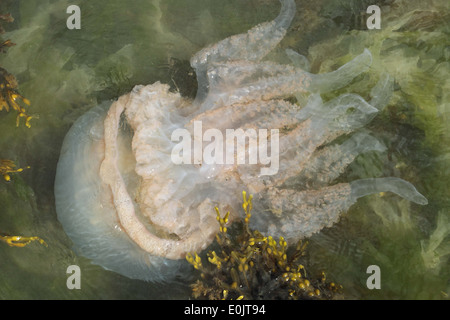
<point>85,209</point>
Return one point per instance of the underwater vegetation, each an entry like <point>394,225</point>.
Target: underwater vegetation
<point>249,265</point>
<point>20,241</point>
<point>9,98</point>
<point>413,46</point>
<point>428,256</point>
<point>7,167</point>
<point>8,18</point>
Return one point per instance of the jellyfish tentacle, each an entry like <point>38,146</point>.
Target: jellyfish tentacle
<point>404,189</point>
<point>329,163</point>
<point>273,114</point>
<point>297,146</point>
<point>266,81</point>
<point>298,214</point>
<point>381,94</point>
<point>344,114</point>
<point>270,82</point>
<point>339,78</point>
<point>237,73</point>
<point>382,91</point>
<point>253,45</point>
<point>287,13</point>
<point>298,60</point>
<point>250,46</point>
<point>228,76</point>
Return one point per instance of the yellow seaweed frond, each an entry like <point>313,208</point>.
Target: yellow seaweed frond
<point>215,259</point>
<point>7,167</point>
<point>248,261</point>
<point>19,241</point>
<point>195,260</point>
<point>222,221</point>
<point>11,99</point>
<point>6,44</point>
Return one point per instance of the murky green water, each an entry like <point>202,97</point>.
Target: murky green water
<point>122,43</point>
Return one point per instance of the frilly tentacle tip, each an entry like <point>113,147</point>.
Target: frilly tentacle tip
<point>402,188</point>
<point>368,55</point>
<point>420,199</point>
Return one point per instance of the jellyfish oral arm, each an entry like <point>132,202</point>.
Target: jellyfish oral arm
<point>124,206</point>
<point>109,172</point>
